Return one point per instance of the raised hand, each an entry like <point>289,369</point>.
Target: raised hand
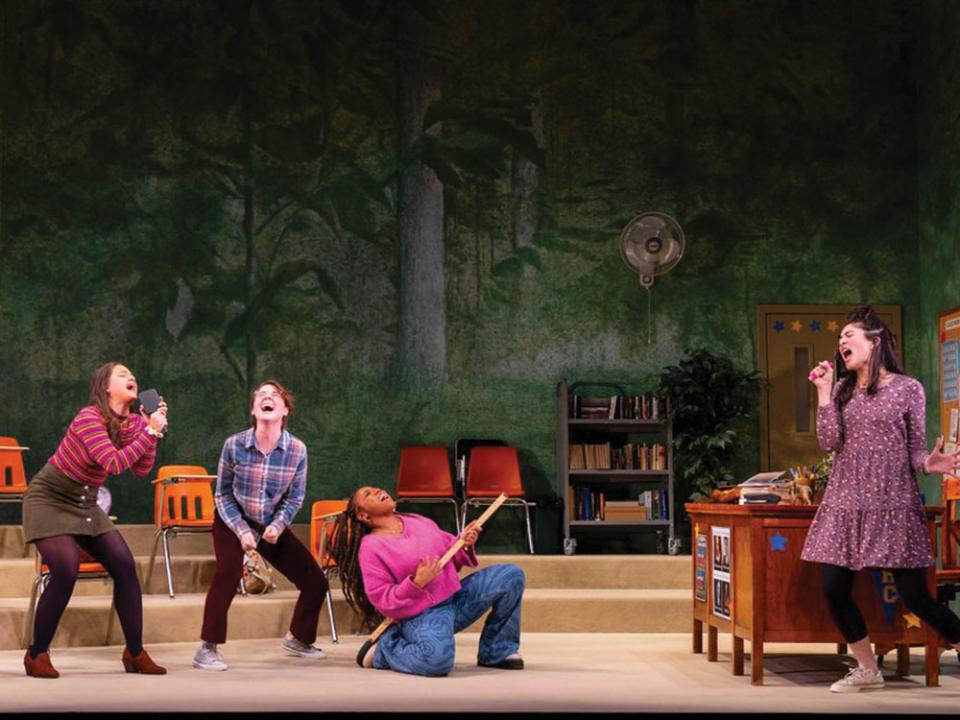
<point>940,462</point>
<point>427,571</point>
<point>470,534</point>
<point>822,375</point>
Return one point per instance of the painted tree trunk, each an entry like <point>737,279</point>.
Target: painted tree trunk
<point>422,351</point>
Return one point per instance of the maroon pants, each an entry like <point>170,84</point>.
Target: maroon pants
<point>288,555</point>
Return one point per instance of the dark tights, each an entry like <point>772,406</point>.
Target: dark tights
<point>61,553</point>
<point>912,587</point>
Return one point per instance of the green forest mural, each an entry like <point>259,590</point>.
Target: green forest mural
<point>407,210</point>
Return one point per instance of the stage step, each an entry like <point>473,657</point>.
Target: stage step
<point>193,573</point>
<point>179,619</point>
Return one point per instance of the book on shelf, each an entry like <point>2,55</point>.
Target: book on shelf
<point>588,504</point>
<point>617,407</point>
<point>631,456</point>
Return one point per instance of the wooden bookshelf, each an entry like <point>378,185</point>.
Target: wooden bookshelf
<point>616,483</point>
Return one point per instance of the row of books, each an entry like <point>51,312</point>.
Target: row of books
<point>586,503</point>
<point>622,407</point>
<point>631,456</point>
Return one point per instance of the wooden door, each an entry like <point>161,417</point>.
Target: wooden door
<point>792,340</point>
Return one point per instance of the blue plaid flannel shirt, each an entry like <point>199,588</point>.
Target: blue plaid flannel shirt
<point>266,488</point>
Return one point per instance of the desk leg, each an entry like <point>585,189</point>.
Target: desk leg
<point>737,655</point>
<point>697,636</point>
<point>903,660</point>
<point>841,648</point>
<point>711,643</point>
<point>931,659</point>
<point>756,662</point>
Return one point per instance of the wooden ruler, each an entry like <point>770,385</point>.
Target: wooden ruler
<point>448,556</point>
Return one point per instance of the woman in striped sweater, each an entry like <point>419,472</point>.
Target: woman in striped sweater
<point>61,516</point>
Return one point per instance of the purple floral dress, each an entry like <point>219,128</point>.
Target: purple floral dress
<point>871,514</point>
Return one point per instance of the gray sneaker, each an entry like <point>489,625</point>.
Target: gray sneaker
<point>293,646</point>
<point>208,657</point>
<point>860,678</point>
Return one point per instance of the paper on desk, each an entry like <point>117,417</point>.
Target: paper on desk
<point>766,478</point>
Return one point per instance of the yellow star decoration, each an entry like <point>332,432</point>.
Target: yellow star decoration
<point>913,620</point>
<point>795,326</point>
<point>833,326</point>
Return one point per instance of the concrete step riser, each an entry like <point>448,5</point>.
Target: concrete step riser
<point>193,575</point>
<point>269,616</point>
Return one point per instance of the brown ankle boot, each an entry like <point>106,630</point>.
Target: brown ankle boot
<point>40,666</point>
<point>141,663</point>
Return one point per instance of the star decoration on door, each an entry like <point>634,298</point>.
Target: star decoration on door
<point>833,326</point>
<point>778,543</point>
<point>815,325</point>
<point>779,326</point>
<point>796,326</point>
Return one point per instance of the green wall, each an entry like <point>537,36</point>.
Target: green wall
<point>219,192</point>
<point>939,183</point>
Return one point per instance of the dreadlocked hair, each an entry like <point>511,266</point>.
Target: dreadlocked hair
<point>883,356</point>
<point>347,536</point>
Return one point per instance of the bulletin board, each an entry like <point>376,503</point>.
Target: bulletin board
<point>949,335</point>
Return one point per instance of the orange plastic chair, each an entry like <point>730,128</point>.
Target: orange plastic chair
<point>13,480</point>
<point>89,569</point>
<point>490,472</point>
<point>424,476</point>
<point>323,528</point>
<point>183,505</point>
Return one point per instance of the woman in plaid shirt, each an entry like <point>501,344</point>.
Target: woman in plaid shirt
<point>261,483</point>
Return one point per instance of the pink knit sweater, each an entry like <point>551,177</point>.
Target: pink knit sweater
<point>388,564</point>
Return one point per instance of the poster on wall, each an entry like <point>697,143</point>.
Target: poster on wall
<point>949,334</point>
<point>700,569</point>
<point>721,572</point>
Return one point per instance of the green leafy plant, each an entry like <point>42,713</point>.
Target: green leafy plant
<point>710,399</point>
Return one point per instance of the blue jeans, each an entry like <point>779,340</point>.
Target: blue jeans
<point>424,645</point>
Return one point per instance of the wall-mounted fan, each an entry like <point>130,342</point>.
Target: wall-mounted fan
<point>651,243</point>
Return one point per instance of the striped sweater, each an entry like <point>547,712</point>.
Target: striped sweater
<point>86,454</point>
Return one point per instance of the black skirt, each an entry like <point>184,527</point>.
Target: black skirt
<point>58,505</point>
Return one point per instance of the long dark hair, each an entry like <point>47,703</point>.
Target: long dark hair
<point>99,399</point>
<point>884,354</point>
<point>348,534</point>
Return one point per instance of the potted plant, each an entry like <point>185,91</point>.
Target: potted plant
<point>711,398</point>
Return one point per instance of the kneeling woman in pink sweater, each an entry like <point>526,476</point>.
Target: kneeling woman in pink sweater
<point>389,565</point>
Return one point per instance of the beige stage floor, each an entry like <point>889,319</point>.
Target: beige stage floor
<point>565,672</point>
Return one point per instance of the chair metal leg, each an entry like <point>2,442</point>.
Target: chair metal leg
<point>113,610</point>
<point>153,558</point>
<point>31,613</point>
<point>333,621</point>
<point>166,562</point>
<point>456,516</point>
<point>526,511</point>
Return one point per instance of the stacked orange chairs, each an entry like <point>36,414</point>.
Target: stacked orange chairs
<point>323,524</point>
<point>13,479</point>
<point>491,471</point>
<point>183,505</point>
<point>424,476</point>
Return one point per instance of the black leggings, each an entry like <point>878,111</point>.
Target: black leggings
<point>911,585</point>
<point>61,553</point>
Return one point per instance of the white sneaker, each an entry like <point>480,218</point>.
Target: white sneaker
<point>295,647</point>
<point>858,679</point>
<point>208,657</point>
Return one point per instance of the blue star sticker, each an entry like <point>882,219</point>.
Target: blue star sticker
<point>779,326</point>
<point>815,325</point>
<point>778,542</point>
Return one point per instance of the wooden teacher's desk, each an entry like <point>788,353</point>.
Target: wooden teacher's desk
<point>749,580</point>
